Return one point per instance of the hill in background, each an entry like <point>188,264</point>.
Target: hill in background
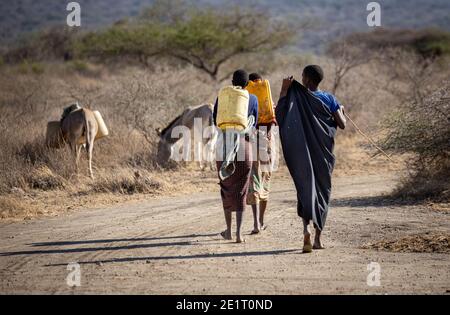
<point>328,18</point>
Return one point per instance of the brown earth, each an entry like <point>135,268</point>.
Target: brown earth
<point>170,245</point>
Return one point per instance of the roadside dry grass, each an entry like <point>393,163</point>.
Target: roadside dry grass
<point>422,243</point>
<point>106,190</point>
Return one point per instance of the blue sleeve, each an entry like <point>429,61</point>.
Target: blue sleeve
<point>215,112</point>
<point>334,104</point>
<point>253,108</point>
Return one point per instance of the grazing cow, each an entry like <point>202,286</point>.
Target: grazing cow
<point>77,123</point>
<point>207,135</point>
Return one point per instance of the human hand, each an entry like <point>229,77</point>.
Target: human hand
<point>286,85</point>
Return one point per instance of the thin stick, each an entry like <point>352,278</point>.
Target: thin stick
<point>368,138</point>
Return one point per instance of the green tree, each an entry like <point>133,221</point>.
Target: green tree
<point>137,41</point>
<point>206,39</point>
<point>209,39</point>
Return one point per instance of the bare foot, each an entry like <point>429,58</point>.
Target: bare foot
<point>255,232</point>
<point>317,242</point>
<point>226,235</point>
<point>307,246</point>
<point>240,240</point>
<point>264,227</point>
<point>318,245</point>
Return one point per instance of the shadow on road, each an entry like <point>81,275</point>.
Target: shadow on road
<point>187,242</point>
<point>373,201</point>
<point>92,249</point>
<point>145,239</point>
<point>362,202</point>
<point>199,256</point>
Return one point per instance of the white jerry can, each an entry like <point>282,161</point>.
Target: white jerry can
<point>102,129</point>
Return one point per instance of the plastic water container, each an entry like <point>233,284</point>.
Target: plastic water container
<point>232,109</point>
<point>102,129</point>
<point>261,89</point>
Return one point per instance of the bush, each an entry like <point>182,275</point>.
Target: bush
<point>424,131</point>
<point>51,44</point>
<point>79,65</point>
<point>11,206</point>
<point>44,178</point>
<point>128,183</point>
<point>427,43</point>
<point>37,68</point>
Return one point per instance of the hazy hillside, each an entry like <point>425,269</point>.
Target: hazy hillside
<point>330,18</point>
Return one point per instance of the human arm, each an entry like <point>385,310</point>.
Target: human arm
<point>339,118</point>
<point>338,111</point>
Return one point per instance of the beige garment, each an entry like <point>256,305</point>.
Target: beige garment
<point>259,189</point>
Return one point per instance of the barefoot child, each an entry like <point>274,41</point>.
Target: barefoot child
<point>259,189</point>
<point>308,119</point>
<point>236,114</point>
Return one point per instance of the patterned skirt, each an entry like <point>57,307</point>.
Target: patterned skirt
<point>234,189</point>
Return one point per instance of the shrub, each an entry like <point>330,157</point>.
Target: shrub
<point>427,42</point>
<point>37,68</point>
<point>424,131</point>
<point>51,44</point>
<point>126,182</point>
<point>11,206</point>
<point>79,65</point>
<point>45,179</point>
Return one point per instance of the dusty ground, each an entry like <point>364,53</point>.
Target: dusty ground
<point>170,245</point>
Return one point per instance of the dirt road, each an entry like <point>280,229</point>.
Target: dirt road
<point>171,246</point>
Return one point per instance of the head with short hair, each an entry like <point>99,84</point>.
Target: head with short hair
<point>312,76</point>
<point>255,77</point>
<point>240,78</point>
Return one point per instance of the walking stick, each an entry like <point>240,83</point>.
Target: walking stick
<point>368,138</point>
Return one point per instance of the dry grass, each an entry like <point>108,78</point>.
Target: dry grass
<point>126,182</point>
<point>44,178</point>
<point>11,206</point>
<point>423,243</point>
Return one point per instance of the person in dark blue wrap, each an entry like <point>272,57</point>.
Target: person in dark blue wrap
<point>308,120</point>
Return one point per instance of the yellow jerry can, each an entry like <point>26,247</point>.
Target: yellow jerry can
<point>232,109</point>
<point>261,89</point>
